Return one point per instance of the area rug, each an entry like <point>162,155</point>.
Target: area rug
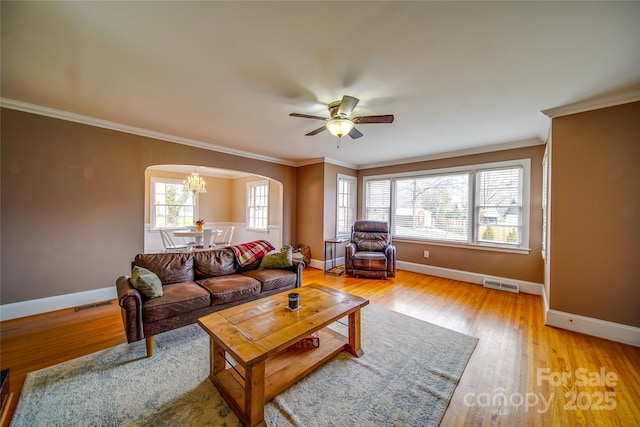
<point>406,376</point>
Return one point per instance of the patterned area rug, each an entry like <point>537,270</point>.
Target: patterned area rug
<point>406,377</point>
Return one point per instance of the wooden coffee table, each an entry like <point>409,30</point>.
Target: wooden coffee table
<point>258,336</point>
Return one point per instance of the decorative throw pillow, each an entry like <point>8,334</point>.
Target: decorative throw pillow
<point>280,259</point>
<point>147,282</point>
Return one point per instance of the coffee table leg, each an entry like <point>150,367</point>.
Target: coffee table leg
<point>216,359</point>
<point>354,334</point>
<point>254,394</point>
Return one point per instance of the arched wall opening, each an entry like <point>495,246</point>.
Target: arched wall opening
<point>223,205</point>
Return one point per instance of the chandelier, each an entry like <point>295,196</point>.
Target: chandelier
<point>195,183</point>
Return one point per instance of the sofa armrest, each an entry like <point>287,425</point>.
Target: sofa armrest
<point>298,268</point>
<point>349,250</point>
<point>130,301</point>
<point>390,253</point>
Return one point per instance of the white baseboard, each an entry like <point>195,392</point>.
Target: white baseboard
<point>327,264</point>
<point>599,328</point>
<point>317,263</point>
<point>58,302</point>
<point>467,276</point>
<point>572,322</point>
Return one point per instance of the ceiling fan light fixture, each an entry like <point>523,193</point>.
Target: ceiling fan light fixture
<point>339,127</point>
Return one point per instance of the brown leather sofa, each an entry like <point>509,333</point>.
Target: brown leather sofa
<point>370,253</point>
<point>196,284</point>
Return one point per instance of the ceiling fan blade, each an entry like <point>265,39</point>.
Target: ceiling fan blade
<point>355,133</point>
<point>315,132</point>
<point>388,118</point>
<point>307,116</point>
<point>347,105</point>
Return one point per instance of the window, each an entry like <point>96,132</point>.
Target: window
<point>172,205</point>
<point>482,205</point>
<point>346,204</point>
<point>377,199</point>
<point>432,207</point>
<point>258,205</point>
<point>499,206</point>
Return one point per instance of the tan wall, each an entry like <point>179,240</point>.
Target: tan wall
<point>311,208</point>
<point>73,201</point>
<point>595,214</point>
<point>527,267</point>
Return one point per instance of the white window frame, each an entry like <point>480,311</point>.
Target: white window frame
<point>258,214</point>
<point>472,241</point>
<point>545,199</point>
<point>152,198</point>
<point>346,204</point>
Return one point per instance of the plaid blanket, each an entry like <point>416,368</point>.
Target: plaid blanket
<point>246,253</point>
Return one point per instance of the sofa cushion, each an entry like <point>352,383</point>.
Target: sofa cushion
<point>213,263</point>
<point>178,298</point>
<point>230,288</point>
<point>280,259</point>
<point>147,282</point>
<point>170,267</point>
<point>273,278</point>
<point>370,261</point>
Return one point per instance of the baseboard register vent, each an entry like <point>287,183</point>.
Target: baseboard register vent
<point>501,286</point>
<point>96,305</point>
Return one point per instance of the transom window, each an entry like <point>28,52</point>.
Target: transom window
<point>258,205</point>
<point>483,205</point>
<point>172,205</point>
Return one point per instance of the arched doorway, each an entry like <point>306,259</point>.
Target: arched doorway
<point>224,204</point>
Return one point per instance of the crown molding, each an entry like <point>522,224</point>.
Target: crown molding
<point>592,104</point>
<point>460,153</point>
<point>580,107</point>
<point>312,161</point>
<point>340,163</point>
<point>92,121</point>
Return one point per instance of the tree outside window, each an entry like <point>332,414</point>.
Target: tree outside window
<point>172,204</point>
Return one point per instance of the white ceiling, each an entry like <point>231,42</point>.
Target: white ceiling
<point>458,76</point>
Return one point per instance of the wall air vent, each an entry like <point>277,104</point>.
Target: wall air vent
<point>501,286</point>
<point>96,305</point>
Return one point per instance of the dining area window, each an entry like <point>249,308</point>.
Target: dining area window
<point>258,205</point>
<point>172,205</point>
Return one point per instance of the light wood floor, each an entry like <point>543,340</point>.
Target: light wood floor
<point>514,377</point>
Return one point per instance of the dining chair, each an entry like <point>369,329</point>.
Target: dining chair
<point>206,239</point>
<point>225,238</point>
<point>168,243</point>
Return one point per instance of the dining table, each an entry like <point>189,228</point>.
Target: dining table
<point>196,234</point>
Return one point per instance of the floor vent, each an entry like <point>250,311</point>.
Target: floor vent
<point>501,286</point>
<point>96,305</point>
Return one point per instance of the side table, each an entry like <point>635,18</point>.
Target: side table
<point>330,247</point>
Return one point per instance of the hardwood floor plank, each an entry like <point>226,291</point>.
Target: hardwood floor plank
<point>516,360</point>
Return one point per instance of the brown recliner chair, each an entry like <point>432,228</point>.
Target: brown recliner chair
<point>370,253</point>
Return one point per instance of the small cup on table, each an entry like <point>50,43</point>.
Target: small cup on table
<point>294,301</point>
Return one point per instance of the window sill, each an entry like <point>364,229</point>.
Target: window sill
<point>258,230</point>
<point>477,247</point>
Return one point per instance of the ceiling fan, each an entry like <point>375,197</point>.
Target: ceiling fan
<point>340,124</point>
